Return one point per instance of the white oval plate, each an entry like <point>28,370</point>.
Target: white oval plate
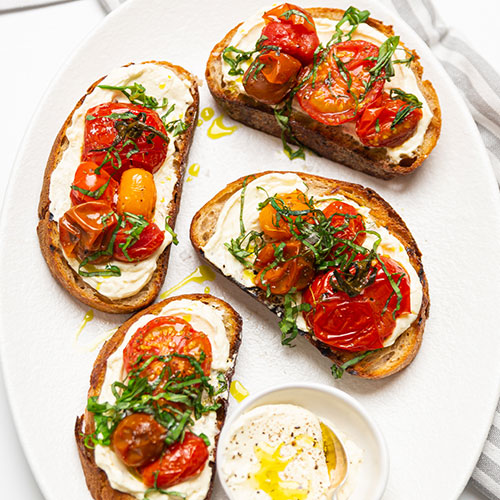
<point>435,414</point>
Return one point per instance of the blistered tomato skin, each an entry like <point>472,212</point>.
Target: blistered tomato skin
<point>164,336</point>
<point>332,100</point>
<point>294,34</point>
<point>296,272</point>
<point>86,229</point>
<point>375,125</point>
<point>87,180</point>
<point>117,143</point>
<point>138,439</point>
<point>361,322</point>
<point>179,462</point>
<point>279,228</point>
<point>137,193</point>
<point>150,239</point>
<point>272,82</point>
<point>347,219</point>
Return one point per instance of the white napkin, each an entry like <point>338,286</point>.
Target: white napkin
<point>482,95</point>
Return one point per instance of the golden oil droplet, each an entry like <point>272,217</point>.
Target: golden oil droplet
<point>217,129</point>
<point>207,289</point>
<point>328,447</point>
<point>207,113</point>
<point>199,123</point>
<point>199,275</point>
<point>89,316</point>
<point>194,169</point>
<point>238,391</point>
<point>267,478</point>
<point>162,85</point>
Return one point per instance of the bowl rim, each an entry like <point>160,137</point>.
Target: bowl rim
<point>332,392</point>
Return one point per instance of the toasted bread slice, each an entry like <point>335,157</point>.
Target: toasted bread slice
<point>48,232</point>
<point>96,478</point>
<point>332,142</point>
<point>383,362</point>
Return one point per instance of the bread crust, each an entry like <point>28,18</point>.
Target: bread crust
<point>383,362</point>
<point>48,232</point>
<point>97,480</point>
<point>328,141</point>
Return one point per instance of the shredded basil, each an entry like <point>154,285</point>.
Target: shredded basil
<point>291,12</point>
<point>338,371</point>
<point>136,94</point>
<point>175,241</point>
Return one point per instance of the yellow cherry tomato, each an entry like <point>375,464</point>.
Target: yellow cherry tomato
<point>137,193</point>
<point>278,227</point>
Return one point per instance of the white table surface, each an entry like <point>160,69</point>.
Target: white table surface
<point>34,44</point>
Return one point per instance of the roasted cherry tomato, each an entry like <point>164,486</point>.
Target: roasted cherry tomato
<point>127,248</point>
<point>101,186</point>
<point>276,227</point>
<point>293,30</point>
<point>138,439</point>
<point>178,463</point>
<point>123,135</point>
<point>86,229</point>
<point>296,272</point>
<point>347,219</point>
<point>330,99</point>
<point>361,322</point>
<point>375,126</point>
<point>137,193</point>
<point>271,82</point>
<point>163,336</point>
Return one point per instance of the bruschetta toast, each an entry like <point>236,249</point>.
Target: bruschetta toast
<point>157,401</point>
<point>337,82</point>
<point>113,184</point>
<point>332,259</point>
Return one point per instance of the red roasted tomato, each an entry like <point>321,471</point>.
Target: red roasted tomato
<point>87,180</point>
<point>336,211</point>
<point>270,83</point>
<point>296,272</point>
<point>178,463</point>
<point>139,141</point>
<point>332,100</point>
<point>293,30</point>
<point>163,336</point>
<point>86,229</point>
<point>356,323</point>
<point>148,242</point>
<point>138,439</point>
<point>375,125</point>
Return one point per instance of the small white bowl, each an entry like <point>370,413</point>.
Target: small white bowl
<point>346,415</point>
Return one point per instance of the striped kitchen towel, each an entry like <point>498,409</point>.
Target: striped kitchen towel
<point>476,79</point>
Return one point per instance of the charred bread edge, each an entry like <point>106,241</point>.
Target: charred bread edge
<point>47,228</point>
<point>96,478</point>
<point>329,142</point>
<point>379,364</point>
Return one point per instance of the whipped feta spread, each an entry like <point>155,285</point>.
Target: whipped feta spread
<point>250,31</point>
<point>279,449</point>
<point>257,191</point>
<point>203,318</point>
<point>160,82</point>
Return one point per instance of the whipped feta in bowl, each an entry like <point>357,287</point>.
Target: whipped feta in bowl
<point>272,446</point>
